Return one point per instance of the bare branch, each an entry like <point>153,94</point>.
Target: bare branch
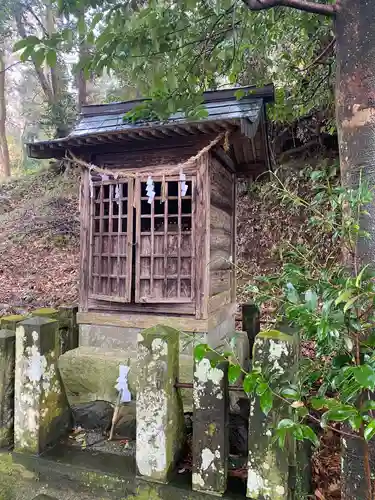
<point>10,66</point>
<point>305,5</point>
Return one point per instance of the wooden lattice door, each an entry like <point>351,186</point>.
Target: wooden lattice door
<point>165,255</point>
<point>111,241</point>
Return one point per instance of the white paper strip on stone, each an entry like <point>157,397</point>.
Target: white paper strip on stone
<point>150,189</point>
<point>122,384</point>
<point>183,185</point>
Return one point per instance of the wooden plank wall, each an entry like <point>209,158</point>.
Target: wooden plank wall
<point>222,236</point>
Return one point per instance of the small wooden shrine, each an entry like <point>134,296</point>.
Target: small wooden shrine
<point>158,216</point>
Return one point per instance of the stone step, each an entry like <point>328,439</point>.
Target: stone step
<point>97,476</point>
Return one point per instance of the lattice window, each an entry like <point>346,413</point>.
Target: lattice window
<point>165,252</point>
<point>111,241</point>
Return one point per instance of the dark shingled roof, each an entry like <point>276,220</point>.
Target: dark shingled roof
<point>102,123</point>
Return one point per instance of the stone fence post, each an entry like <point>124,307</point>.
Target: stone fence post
<point>42,414</point>
<point>7,362</point>
<point>210,434</point>
<point>68,327</point>
<point>250,323</point>
<point>160,419</point>
<point>276,354</point>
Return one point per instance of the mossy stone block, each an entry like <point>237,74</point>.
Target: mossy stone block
<point>7,364</point>
<point>42,414</point>
<point>10,322</point>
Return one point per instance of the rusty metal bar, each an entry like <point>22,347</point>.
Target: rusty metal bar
<point>189,385</point>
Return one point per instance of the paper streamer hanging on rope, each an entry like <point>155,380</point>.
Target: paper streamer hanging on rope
<point>150,189</point>
<point>122,384</point>
<point>183,185</point>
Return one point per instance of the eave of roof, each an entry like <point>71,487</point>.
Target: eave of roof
<point>104,122</point>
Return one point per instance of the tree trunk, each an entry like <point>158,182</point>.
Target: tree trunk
<point>81,80</point>
<point>355,111</point>
<point>4,151</point>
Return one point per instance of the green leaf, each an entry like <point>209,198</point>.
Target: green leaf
<point>234,372</point>
<point>51,58</point>
<point>370,430</point>
<point>344,296</point>
<point>239,94</point>
<point>286,423</point>
<point>24,56</point>
<point>350,303</point>
<point>356,422</point>
<point>290,393</point>
<point>339,414</point>
<point>38,57</point>
<point>200,351</point>
<point>309,434</point>
<point>26,42</point>
<point>261,388</point>
<point>250,382</point>
<point>365,376</point>
<point>266,401</point>
<point>341,360</point>
<point>360,276</point>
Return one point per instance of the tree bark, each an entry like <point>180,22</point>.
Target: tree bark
<point>355,112</point>
<point>81,80</point>
<point>4,151</point>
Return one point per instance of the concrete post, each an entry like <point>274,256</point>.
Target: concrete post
<point>210,436</point>
<point>276,354</point>
<point>160,419</point>
<point>7,362</point>
<point>41,410</point>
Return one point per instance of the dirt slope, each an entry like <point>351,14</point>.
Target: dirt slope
<point>39,241</point>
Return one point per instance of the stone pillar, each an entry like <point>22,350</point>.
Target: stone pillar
<point>7,362</point>
<point>11,322</point>
<point>41,411</point>
<point>210,436</point>
<point>250,323</point>
<point>276,354</point>
<point>68,327</point>
<point>69,331</point>
<point>160,421</point>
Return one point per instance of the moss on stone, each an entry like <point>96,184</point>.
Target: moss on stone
<point>46,311</point>
<point>10,322</point>
<point>276,334</point>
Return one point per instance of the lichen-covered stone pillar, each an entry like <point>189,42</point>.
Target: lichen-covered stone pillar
<point>7,362</point>
<point>250,323</point>
<point>160,419</point>
<point>41,411</point>
<point>276,355</point>
<point>210,436</point>
<point>69,331</point>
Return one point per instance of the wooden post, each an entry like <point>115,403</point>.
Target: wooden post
<point>210,433</point>
<point>41,413</point>
<point>7,361</point>
<point>250,323</point>
<point>160,418</point>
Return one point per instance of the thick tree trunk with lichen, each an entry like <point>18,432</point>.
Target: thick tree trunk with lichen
<point>355,104</point>
<point>355,110</point>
